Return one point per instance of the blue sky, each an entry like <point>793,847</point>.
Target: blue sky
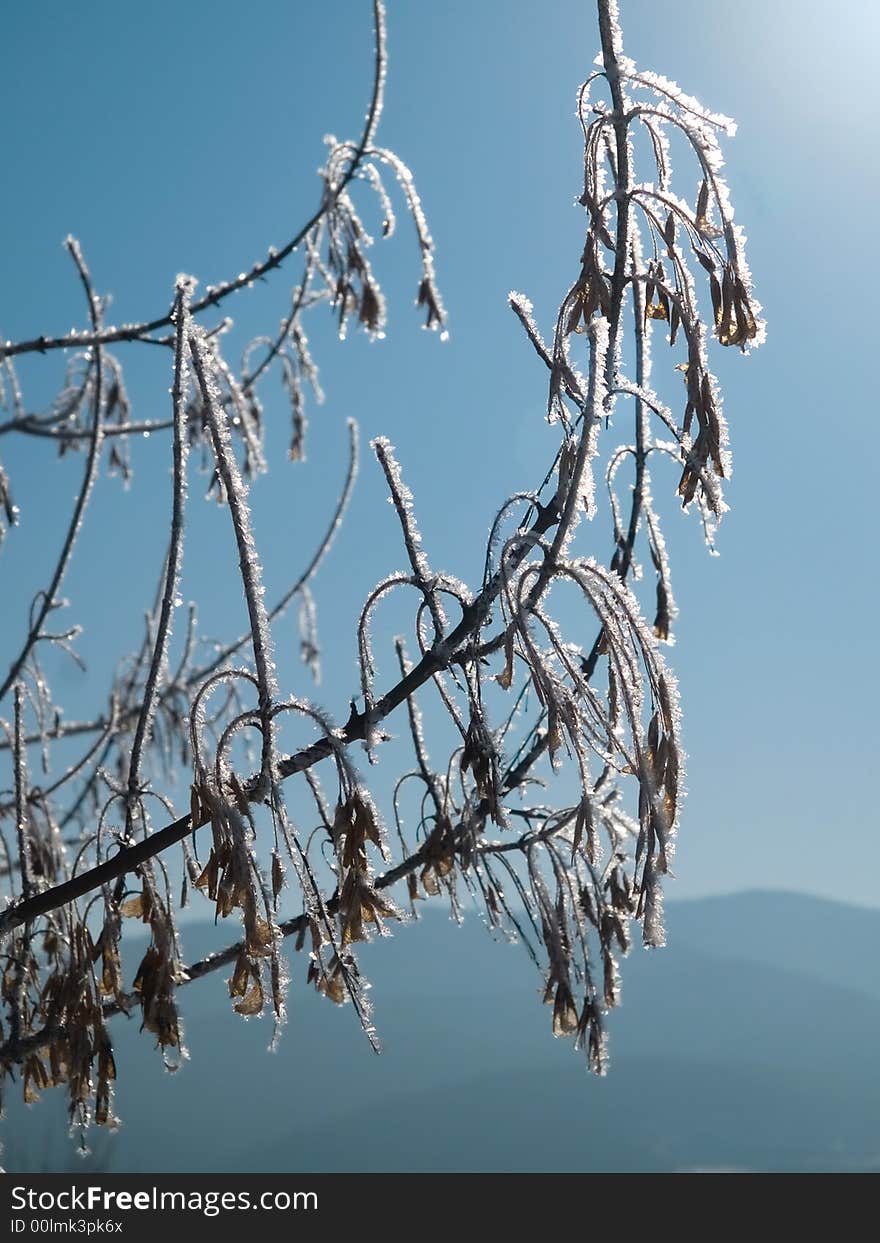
<point>175,138</point>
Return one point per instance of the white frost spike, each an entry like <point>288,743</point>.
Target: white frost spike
<point>579,483</point>
<point>672,91</point>
<point>402,499</point>
<point>249,562</point>
<point>157,673</point>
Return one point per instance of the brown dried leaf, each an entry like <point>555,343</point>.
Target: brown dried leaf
<point>253,1001</point>
<point>669,232</point>
<point>702,201</point>
<point>277,874</point>
<point>133,908</point>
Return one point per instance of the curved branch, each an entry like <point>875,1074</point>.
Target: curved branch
<point>216,295</point>
<point>82,500</point>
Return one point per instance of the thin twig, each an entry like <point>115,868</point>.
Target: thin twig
<point>216,295</point>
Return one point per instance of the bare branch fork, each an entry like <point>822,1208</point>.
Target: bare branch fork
<point>595,728</point>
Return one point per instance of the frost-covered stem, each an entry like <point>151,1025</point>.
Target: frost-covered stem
<point>635,512</point>
<point>308,573</point>
<point>15,387</point>
<point>72,728</point>
<point>586,447</point>
<point>21,796</point>
<point>402,500</point>
<point>42,795</point>
<point>375,110</point>
<point>522,310</point>
<point>518,773</point>
<point>609,33</point>
<point>249,380</point>
<point>227,468</point>
<point>173,561</point>
<point>49,596</point>
<point>135,332</point>
<point>418,738</point>
<point>63,729</point>
<point>121,719</point>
